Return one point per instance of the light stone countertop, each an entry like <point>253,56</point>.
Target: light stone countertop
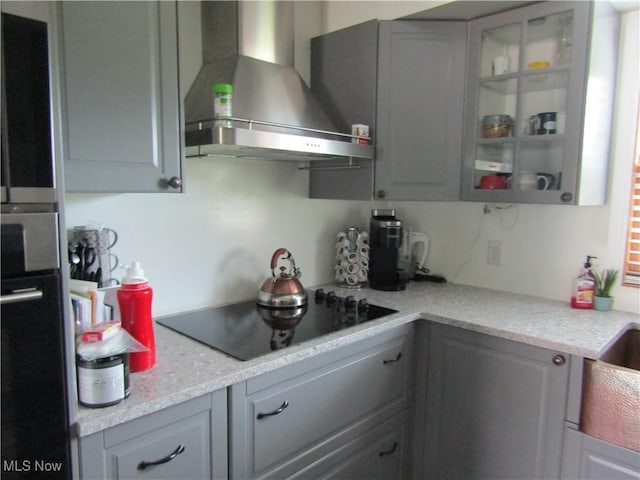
<point>186,369</point>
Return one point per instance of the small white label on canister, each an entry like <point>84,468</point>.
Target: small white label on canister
<point>99,386</point>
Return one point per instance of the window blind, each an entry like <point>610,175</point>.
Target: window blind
<point>632,257</point>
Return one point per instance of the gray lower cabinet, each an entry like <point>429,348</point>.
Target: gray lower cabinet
<point>405,79</point>
<point>375,455</point>
<point>590,458</point>
<point>188,440</point>
<point>341,414</point>
<point>121,117</point>
<point>495,408</point>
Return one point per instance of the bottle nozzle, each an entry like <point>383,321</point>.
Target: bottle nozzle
<point>134,273</point>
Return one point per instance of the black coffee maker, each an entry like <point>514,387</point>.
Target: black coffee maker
<point>385,238</point>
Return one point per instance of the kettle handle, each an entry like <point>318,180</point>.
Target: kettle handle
<point>285,255</point>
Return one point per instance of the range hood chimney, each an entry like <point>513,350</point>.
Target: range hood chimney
<point>250,44</point>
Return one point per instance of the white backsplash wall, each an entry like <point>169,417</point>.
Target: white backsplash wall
<point>213,244</point>
<point>542,247</point>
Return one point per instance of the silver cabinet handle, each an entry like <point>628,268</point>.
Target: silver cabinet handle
<point>566,196</point>
<point>277,411</point>
<point>559,360</point>
<point>175,182</point>
<point>144,464</point>
<point>393,360</point>
<point>21,296</point>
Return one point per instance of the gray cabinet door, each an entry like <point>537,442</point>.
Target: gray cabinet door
<point>495,408</point>
<point>563,60</point>
<point>421,72</point>
<point>589,458</point>
<point>177,450</point>
<point>198,425</point>
<point>120,101</point>
<point>344,78</point>
<point>406,81</point>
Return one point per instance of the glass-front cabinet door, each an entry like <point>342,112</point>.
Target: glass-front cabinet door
<point>525,107</point>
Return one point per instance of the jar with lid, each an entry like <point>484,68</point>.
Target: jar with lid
<point>222,103</point>
<point>496,125</point>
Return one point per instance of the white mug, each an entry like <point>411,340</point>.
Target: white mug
<point>529,181</point>
<point>501,65</point>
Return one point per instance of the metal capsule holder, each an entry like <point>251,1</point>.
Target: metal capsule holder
<point>352,258</point>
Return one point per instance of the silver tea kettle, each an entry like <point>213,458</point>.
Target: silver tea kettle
<point>282,289</point>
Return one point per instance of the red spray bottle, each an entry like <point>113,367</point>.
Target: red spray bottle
<point>584,287</point>
<point>134,298</point>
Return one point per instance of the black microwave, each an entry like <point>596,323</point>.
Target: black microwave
<point>27,172</point>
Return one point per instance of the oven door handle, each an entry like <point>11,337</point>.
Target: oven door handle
<point>21,296</point>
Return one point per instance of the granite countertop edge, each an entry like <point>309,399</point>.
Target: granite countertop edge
<point>186,369</point>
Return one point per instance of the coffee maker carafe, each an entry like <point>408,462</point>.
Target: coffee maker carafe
<point>385,238</point>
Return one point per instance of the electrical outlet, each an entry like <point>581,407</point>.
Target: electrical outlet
<point>494,252</point>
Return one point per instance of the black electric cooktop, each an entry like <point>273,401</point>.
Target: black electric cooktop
<point>247,330</point>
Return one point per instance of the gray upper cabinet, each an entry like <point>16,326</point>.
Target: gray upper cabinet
<point>405,80</point>
<point>120,100</point>
<point>551,68</point>
<point>495,408</point>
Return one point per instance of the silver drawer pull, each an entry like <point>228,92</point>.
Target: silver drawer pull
<point>390,451</point>
<point>142,465</point>
<point>278,410</point>
<point>394,360</point>
<point>21,296</point>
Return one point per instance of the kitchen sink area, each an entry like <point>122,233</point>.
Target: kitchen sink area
<point>611,392</point>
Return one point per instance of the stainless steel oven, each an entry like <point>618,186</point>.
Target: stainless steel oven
<point>35,422</point>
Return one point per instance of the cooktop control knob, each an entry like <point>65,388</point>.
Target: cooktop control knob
<point>320,295</point>
<point>363,305</point>
<point>350,303</point>
<point>331,298</point>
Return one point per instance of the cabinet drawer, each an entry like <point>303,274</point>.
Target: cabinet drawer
<point>193,462</point>
<point>199,424</point>
<point>380,453</point>
<point>315,406</point>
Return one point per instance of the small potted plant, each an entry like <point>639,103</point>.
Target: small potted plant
<point>604,280</point>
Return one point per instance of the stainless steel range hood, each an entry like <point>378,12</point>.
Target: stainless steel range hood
<point>249,44</point>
